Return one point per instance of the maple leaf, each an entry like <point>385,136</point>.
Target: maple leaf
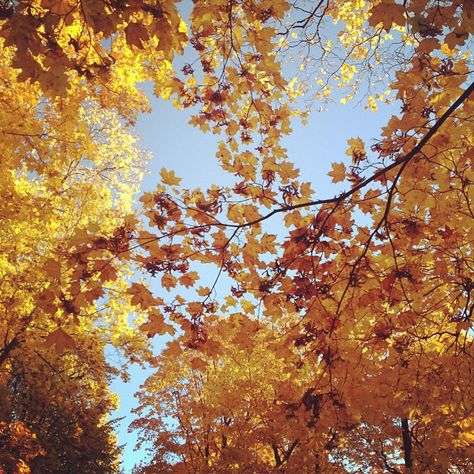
<point>189,279</point>
<point>60,340</point>
<point>337,326</point>
<point>356,149</point>
<point>168,281</point>
<point>338,172</point>
<point>53,267</point>
<point>141,295</point>
<point>58,7</point>
<point>169,177</point>
<point>136,34</point>
<point>156,325</point>
<point>107,271</point>
<point>387,13</point>
<point>198,364</point>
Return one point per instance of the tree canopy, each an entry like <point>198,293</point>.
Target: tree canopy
<point>344,342</point>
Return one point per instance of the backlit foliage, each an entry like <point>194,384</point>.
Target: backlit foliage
<point>344,343</point>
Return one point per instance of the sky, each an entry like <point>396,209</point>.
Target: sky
<point>176,145</point>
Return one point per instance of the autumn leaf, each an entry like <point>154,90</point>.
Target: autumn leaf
<point>203,291</point>
<point>53,268</point>
<point>60,340</point>
<point>58,7</point>
<point>198,364</point>
<point>356,150</point>
<point>326,338</point>
<point>338,172</point>
<point>141,295</point>
<point>247,306</point>
<point>46,300</point>
<point>168,281</point>
<point>189,279</point>
<point>387,12</point>
<point>156,325</point>
<point>169,177</point>
<point>107,271</point>
<point>136,34</point>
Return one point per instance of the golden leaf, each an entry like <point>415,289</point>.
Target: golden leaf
<point>169,177</point>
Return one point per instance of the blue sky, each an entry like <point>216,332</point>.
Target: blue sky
<point>190,153</point>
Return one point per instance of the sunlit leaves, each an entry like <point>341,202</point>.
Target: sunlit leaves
<point>365,290</point>
<point>305,327</point>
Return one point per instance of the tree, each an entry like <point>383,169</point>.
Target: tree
<point>69,170</point>
<point>65,408</point>
<point>381,306</point>
<point>366,314</point>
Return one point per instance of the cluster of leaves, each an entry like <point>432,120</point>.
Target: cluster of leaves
<point>366,315</point>
<point>70,166</point>
<point>69,170</point>
<point>333,335</point>
<point>264,403</point>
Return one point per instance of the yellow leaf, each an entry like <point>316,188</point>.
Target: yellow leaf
<point>169,177</point>
<point>247,306</point>
<point>356,149</point>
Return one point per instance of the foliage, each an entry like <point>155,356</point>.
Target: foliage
<point>345,344</point>
<point>69,171</point>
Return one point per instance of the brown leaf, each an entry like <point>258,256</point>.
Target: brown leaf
<point>136,34</point>
<point>387,12</point>
<point>61,341</point>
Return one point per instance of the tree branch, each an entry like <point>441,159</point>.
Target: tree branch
<point>5,352</point>
<point>400,161</point>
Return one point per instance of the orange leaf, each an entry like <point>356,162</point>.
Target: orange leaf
<point>168,281</point>
<point>58,7</point>
<point>52,267</point>
<point>61,341</point>
<point>188,279</point>
<point>141,295</point>
<point>198,364</point>
<point>168,177</point>
<point>156,325</point>
<point>387,12</point>
<point>136,34</point>
<point>338,172</point>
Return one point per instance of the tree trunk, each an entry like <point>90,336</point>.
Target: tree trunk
<point>407,447</point>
